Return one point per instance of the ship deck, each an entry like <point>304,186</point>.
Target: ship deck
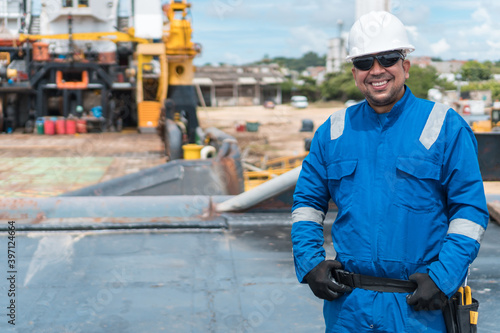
<point>235,276</point>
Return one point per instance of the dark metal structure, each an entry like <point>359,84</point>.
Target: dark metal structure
<point>489,155</point>
<point>44,81</point>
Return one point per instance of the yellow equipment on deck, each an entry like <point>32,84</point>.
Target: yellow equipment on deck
<point>272,168</point>
<point>485,126</point>
<point>152,85</point>
<point>175,55</point>
<point>115,36</point>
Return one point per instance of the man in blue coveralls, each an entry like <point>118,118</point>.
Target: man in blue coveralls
<point>404,175</point>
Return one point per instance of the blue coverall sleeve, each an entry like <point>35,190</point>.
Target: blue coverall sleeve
<point>467,211</point>
<point>309,209</point>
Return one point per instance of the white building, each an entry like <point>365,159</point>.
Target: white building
<point>336,55</point>
<point>49,17</point>
<point>11,16</point>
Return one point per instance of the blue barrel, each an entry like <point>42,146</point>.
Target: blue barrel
<point>39,124</point>
<point>97,111</point>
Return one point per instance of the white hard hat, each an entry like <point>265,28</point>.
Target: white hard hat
<point>377,32</point>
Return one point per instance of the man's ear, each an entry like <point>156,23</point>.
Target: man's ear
<point>353,71</point>
<point>406,67</point>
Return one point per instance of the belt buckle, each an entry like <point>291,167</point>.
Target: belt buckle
<point>344,277</point>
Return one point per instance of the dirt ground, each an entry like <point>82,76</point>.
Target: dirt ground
<point>278,134</point>
<point>34,165</point>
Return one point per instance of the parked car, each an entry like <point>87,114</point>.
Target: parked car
<point>300,102</point>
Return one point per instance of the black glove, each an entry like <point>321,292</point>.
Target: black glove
<point>322,282</point>
<point>427,296</point>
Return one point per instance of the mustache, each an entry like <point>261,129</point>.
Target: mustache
<point>380,77</point>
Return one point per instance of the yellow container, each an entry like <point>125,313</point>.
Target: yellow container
<point>148,113</point>
<point>192,151</point>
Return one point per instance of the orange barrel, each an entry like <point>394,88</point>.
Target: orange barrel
<point>70,126</point>
<point>48,126</point>
<point>60,126</point>
<point>41,51</point>
<point>81,126</point>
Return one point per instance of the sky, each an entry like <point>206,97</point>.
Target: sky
<point>243,31</point>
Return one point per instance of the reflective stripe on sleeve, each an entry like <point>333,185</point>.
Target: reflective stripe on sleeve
<point>433,125</point>
<point>308,214</point>
<point>467,228</point>
<point>337,121</point>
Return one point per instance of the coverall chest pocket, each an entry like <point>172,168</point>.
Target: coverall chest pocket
<point>340,176</point>
<point>417,184</point>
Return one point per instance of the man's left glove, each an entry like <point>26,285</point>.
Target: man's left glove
<point>427,296</point>
<point>322,282</point>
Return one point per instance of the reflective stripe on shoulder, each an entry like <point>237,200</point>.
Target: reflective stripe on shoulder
<point>308,214</point>
<point>337,121</point>
<point>467,228</point>
<point>433,125</point>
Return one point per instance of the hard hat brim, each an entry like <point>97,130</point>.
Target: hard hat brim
<point>406,50</point>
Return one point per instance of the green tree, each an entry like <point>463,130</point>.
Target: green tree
<point>287,87</point>
<point>421,80</point>
<point>309,89</point>
<point>341,86</point>
<point>310,59</point>
<point>475,71</point>
<point>495,68</point>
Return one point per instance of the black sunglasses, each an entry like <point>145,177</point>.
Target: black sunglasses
<point>385,59</point>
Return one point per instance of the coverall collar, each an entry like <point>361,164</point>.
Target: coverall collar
<point>407,99</point>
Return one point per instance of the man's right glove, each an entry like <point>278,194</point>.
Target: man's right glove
<point>322,282</point>
<point>427,296</point>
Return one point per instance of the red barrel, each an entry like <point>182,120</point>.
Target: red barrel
<point>70,126</point>
<point>61,126</point>
<point>81,126</point>
<point>48,127</point>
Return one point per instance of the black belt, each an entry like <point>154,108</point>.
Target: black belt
<point>374,283</point>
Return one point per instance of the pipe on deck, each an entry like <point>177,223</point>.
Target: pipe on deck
<point>260,193</point>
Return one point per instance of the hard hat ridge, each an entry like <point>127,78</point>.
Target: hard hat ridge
<point>377,32</point>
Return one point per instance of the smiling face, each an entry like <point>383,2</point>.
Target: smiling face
<point>382,86</point>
